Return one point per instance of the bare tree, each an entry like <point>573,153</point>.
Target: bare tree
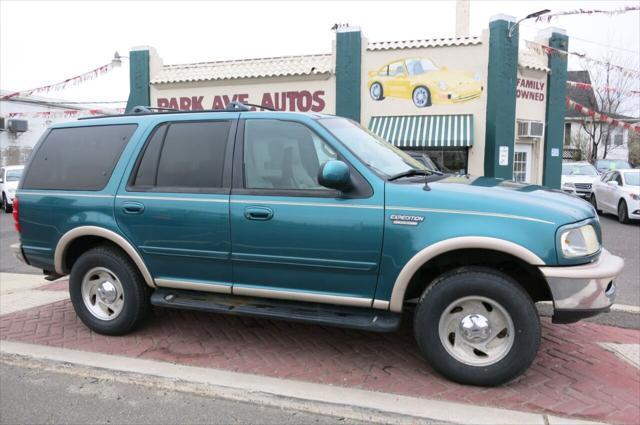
<point>612,103</point>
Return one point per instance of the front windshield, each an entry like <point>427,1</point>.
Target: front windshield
<point>613,164</point>
<point>579,170</point>
<point>13,175</point>
<point>375,152</point>
<point>632,179</point>
<point>420,66</point>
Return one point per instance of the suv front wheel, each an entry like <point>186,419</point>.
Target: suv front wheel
<point>107,291</point>
<point>477,326</point>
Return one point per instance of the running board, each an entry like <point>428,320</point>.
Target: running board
<point>323,314</point>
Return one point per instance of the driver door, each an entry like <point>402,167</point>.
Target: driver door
<point>398,83</point>
<point>291,237</point>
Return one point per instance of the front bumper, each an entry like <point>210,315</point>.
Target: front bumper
<point>585,290</point>
<point>16,248</point>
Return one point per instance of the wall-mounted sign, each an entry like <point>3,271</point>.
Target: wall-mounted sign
<point>423,82</point>
<point>530,89</point>
<point>300,101</point>
<point>503,157</point>
<point>555,152</point>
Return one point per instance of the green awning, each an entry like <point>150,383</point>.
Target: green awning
<point>419,131</point>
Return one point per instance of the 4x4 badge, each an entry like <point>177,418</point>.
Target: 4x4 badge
<point>406,220</point>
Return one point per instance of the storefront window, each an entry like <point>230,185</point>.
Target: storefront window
<point>448,160</point>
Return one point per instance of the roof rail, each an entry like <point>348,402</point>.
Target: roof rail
<point>233,106</point>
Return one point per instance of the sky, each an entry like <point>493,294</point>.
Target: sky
<point>47,42</point>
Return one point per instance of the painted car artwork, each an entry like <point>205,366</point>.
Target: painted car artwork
<point>423,82</point>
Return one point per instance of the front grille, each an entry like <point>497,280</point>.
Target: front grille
<point>584,186</point>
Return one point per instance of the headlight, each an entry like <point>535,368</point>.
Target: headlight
<point>579,242</point>
<point>442,85</point>
<point>635,197</point>
<point>569,185</point>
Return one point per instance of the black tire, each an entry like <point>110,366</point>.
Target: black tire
<point>5,204</point>
<point>427,102</point>
<point>136,292</point>
<point>490,284</point>
<point>623,213</point>
<point>594,202</point>
<point>379,96</point>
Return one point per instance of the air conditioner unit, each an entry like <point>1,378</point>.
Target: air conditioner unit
<point>18,126</point>
<point>530,129</point>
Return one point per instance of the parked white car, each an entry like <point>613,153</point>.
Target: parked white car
<point>618,192</point>
<point>578,178</point>
<point>9,179</point>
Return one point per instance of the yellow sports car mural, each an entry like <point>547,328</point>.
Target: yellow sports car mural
<point>422,81</point>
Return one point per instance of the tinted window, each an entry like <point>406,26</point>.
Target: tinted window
<point>78,158</point>
<point>184,156</point>
<point>283,155</point>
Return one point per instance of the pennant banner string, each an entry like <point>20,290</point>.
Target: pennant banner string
<point>598,116</point>
<point>587,86</point>
<point>66,113</point>
<point>73,81</point>
<point>548,50</point>
<point>549,16</point>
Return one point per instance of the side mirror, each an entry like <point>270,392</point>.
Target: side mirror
<point>335,175</point>
<point>612,183</point>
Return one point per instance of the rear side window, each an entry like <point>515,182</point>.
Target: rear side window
<point>77,158</point>
<point>183,157</point>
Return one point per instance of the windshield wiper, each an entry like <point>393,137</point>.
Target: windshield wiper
<point>410,173</point>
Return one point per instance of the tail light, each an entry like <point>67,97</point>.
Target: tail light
<point>16,214</point>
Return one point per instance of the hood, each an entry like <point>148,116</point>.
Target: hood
<point>13,185</point>
<point>448,76</point>
<point>497,196</point>
<point>579,179</point>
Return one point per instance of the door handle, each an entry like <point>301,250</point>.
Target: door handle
<point>258,213</point>
<point>133,208</point>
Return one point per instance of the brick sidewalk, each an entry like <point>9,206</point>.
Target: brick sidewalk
<point>572,375</point>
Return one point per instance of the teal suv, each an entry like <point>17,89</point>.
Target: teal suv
<point>309,218</point>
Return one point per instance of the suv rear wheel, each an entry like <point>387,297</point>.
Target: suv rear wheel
<point>477,326</point>
<point>107,291</point>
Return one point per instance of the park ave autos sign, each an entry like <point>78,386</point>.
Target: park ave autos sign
<point>297,100</point>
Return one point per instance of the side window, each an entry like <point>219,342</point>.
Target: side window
<point>396,68</point>
<point>605,177</point>
<point>77,158</point>
<point>183,157</point>
<point>384,71</point>
<point>283,155</point>
<point>619,179</point>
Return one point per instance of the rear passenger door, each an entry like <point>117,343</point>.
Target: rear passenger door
<point>174,205</point>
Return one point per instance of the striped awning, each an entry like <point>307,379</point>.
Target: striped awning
<point>425,130</point>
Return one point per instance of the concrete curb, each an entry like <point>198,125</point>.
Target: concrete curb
<point>287,394</point>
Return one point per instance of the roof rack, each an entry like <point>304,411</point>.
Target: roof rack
<point>149,110</point>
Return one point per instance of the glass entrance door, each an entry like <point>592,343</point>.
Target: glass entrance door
<point>522,163</point>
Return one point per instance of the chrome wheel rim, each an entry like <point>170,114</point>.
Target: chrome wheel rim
<point>375,91</point>
<point>102,293</point>
<point>476,331</point>
<point>420,96</point>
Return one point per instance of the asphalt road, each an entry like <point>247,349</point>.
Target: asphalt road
<point>620,239</point>
<point>36,396</point>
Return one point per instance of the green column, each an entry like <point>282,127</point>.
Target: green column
<point>348,72</point>
<point>501,98</point>
<point>138,79</point>
<point>554,129</point>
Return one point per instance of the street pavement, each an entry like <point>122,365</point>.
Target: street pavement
<point>620,239</point>
<point>63,398</point>
<point>583,370</point>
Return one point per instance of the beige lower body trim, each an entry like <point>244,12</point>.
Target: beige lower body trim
<point>448,245</point>
<point>71,235</point>
<point>302,296</point>
<point>381,304</point>
<point>194,286</point>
